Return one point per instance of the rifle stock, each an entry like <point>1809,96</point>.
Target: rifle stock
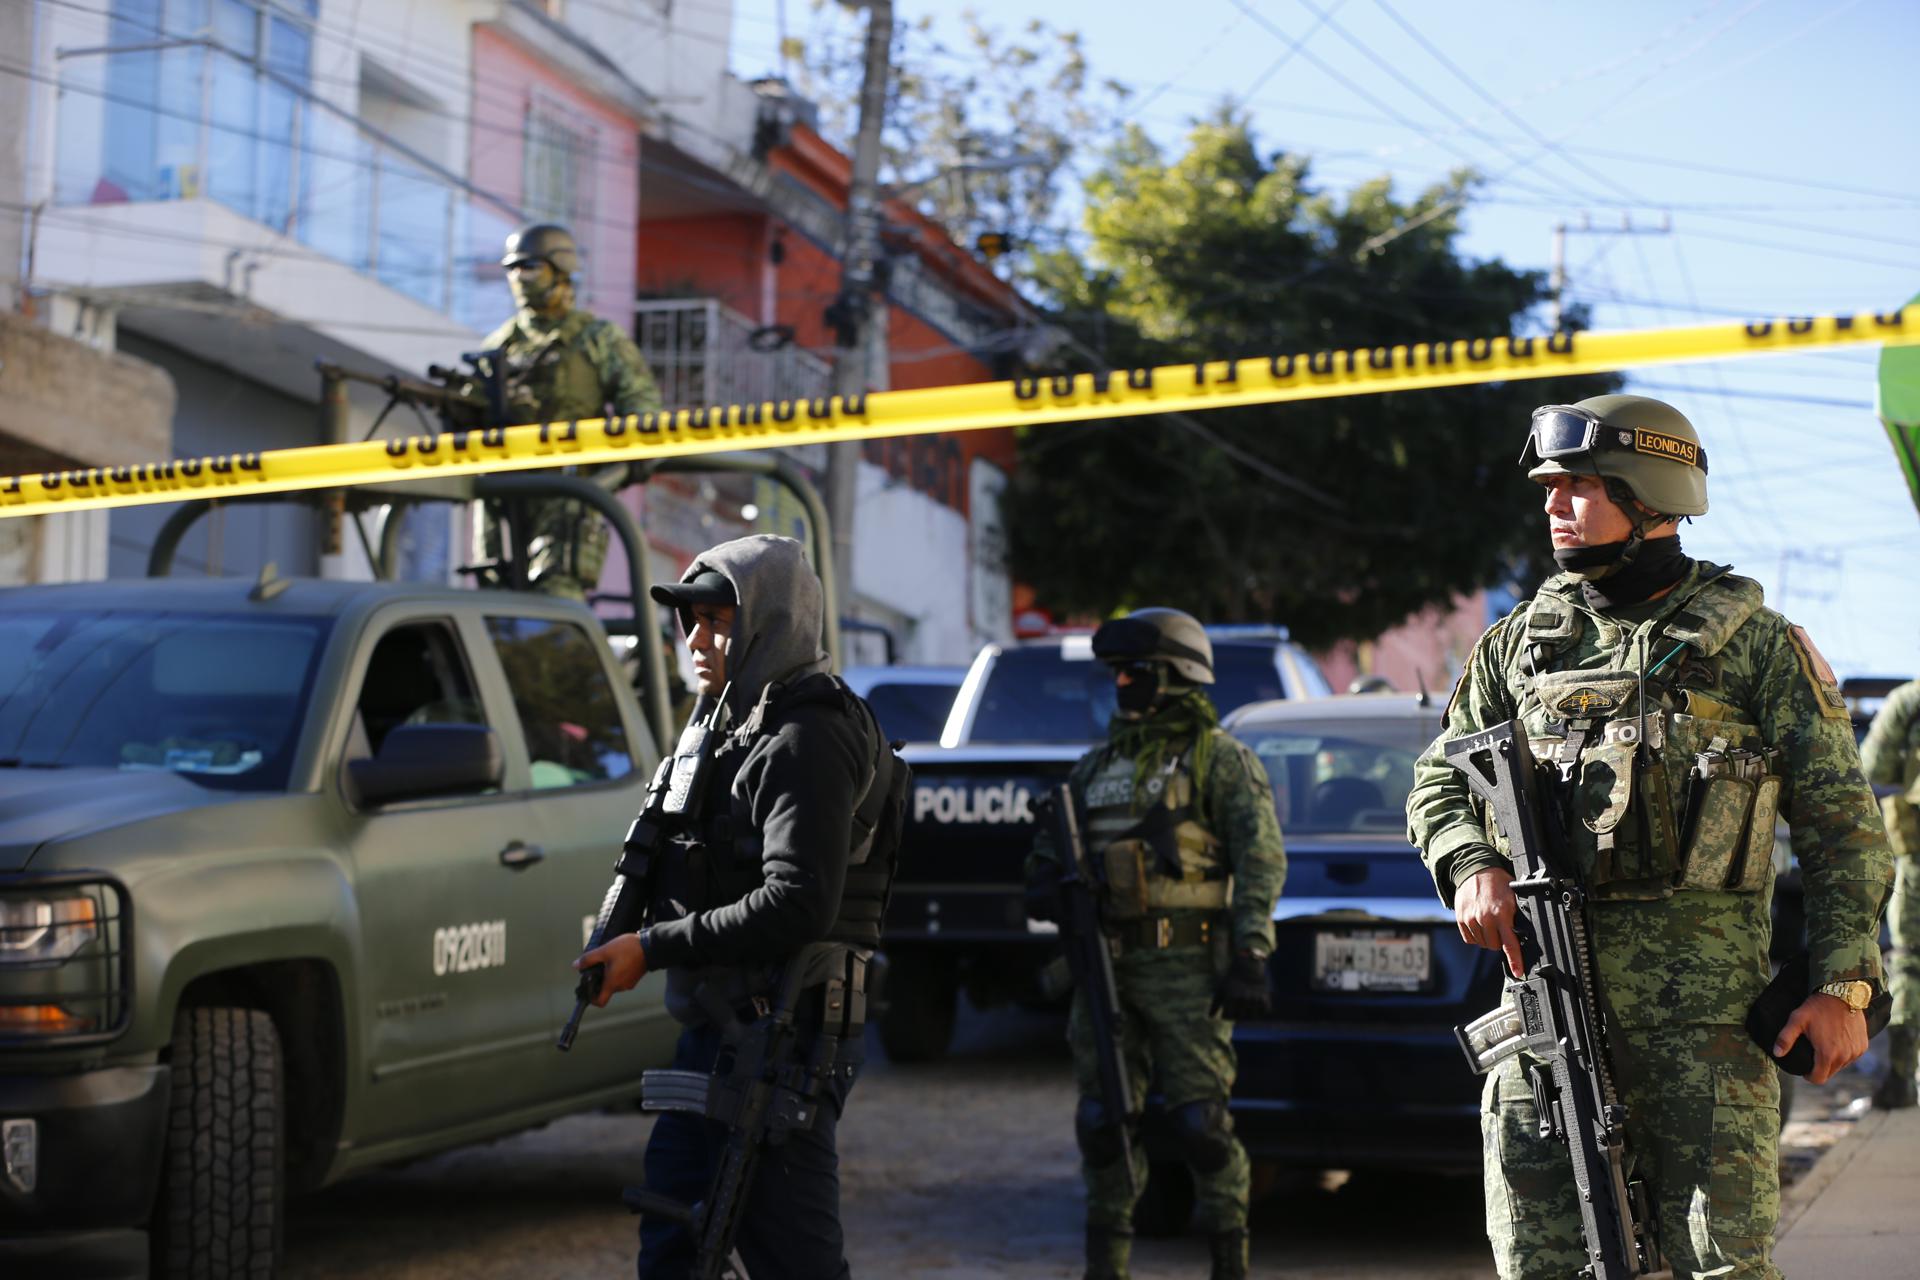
<point>1090,959</point>
<point>1553,1014</point>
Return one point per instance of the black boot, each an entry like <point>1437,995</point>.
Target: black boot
<point>1229,1249</point>
<point>1108,1252</point>
<point>1897,1087</point>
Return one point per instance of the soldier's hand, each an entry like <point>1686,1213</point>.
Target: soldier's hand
<point>1244,992</point>
<point>1485,908</point>
<point>1837,1031</point>
<point>626,963</point>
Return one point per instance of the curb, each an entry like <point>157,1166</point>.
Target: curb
<point>1801,1195</point>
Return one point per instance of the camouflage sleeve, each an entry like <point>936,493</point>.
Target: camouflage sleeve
<point>1443,820</point>
<point>1240,810</point>
<point>1888,754</point>
<point>1837,834</point>
<point>1042,850</point>
<point>624,377</point>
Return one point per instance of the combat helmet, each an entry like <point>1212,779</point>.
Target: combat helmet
<point>1158,635</point>
<point>1644,446</point>
<point>546,242</point>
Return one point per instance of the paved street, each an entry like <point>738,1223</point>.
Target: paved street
<point>966,1168</point>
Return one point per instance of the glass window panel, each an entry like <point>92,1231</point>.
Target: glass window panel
<point>413,224</point>
<point>336,199</point>
<point>289,50</point>
<point>232,133</point>
<point>236,24</point>
<point>566,703</point>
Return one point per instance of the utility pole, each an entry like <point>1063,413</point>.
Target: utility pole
<point>860,363</point>
<point>1557,281</point>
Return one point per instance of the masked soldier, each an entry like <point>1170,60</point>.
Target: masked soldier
<point>1180,828</point>
<point>1891,755</point>
<point>1741,720</point>
<point>557,363</point>
<point>798,848</point>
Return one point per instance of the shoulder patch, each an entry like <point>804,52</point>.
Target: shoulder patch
<point>1826,689</point>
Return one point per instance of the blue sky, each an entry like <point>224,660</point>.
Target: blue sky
<point>1772,137</point>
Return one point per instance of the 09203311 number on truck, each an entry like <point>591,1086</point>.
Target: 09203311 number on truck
<point>1024,714</point>
<point>289,878</point>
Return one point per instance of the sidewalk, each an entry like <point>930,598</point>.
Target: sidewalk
<point>1855,1213</point>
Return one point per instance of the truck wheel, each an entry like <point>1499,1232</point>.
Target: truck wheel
<point>1165,1206</point>
<point>923,993</point>
<point>221,1192</point>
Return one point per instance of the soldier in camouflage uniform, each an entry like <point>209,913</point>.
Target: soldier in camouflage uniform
<point>1678,900</point>
<point>558,363</point>
<point>1180,827</point>
<point>1891,755</point>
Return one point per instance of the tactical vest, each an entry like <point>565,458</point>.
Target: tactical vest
<point>550,376</point>
<point>1676,792</point>
<point>1155,855</point>
<point>723,864</point>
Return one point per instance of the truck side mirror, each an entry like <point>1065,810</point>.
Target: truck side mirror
<point>420,760</point>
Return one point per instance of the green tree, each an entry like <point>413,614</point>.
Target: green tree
<point>1337,517</point>
<point>994,118</point>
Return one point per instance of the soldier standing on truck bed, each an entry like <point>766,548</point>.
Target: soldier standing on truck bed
<point>1674,715</point>
<point>557,363</point>
<point>1180,827</point>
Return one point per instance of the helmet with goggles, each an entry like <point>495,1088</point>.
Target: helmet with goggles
<point>1646,445</point>
<point>1158,635</point>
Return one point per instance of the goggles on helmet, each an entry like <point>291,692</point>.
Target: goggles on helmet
<point>1567,430</point>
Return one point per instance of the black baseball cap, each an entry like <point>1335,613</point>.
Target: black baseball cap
<point>709,586</point>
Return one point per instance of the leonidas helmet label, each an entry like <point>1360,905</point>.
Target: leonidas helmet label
<point>1661,445</point>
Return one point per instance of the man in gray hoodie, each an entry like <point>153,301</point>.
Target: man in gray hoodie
<point>795,847</point>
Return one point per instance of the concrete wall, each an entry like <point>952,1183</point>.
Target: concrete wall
<point>221,412</point>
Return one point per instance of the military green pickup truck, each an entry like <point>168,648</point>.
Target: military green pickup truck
<point>290,876</point>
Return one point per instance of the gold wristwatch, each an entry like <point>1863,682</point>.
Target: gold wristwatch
<point>1856,993</point>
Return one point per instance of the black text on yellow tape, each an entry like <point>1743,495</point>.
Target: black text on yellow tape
<point>1063,398</point>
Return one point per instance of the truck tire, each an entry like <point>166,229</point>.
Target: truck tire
<point>1165,1206</point>
<point>221,1183</point>
<point>923,995</point>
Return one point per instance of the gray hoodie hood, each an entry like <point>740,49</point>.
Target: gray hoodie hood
<point>778,621</point>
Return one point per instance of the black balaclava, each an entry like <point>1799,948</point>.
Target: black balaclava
<point>1658,565</point>
<point>1139,698</point>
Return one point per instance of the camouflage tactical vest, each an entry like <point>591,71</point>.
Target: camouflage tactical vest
<point>1680,798</point>
<point>550,375</point>
<point>1155,855</point>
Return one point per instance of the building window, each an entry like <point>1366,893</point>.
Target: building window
<point>560,171</point>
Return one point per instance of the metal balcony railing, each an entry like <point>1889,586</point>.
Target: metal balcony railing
<point>704,353</point>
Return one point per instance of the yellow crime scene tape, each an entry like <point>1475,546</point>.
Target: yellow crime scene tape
<point>1216,384</point>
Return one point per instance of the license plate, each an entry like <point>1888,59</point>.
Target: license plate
<point>1372,960</point>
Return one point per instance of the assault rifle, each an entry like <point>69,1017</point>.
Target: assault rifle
<point>1090,959</point>
<point>1553,1013</point>
<point>675,798</point>
<point>755,1091</point>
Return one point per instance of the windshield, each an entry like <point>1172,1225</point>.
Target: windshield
<point>1342,775</point>
<point>911,712</point>
<point>216,698</point>
<point>1038,695</point>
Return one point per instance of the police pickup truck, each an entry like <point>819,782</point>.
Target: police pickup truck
<point>290,876</point>
<point>1024,714</point>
